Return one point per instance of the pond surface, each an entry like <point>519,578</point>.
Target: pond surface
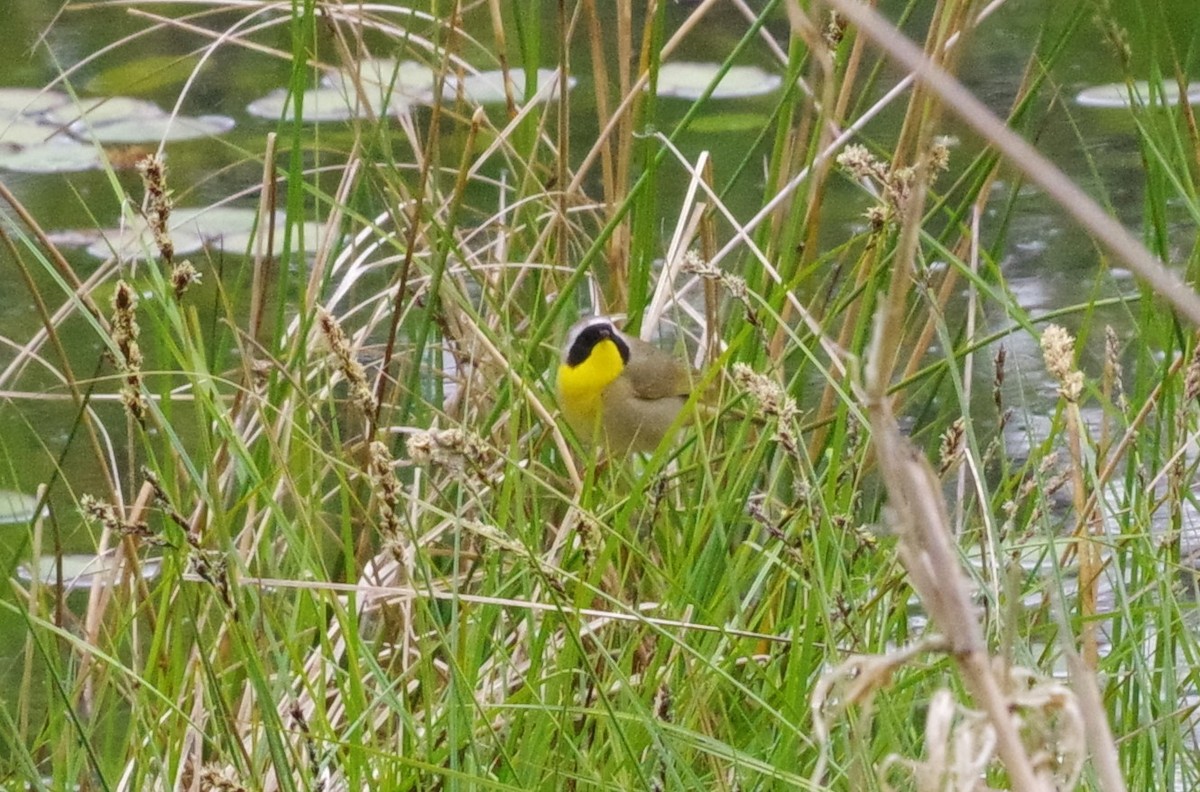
<point>1047,262</point>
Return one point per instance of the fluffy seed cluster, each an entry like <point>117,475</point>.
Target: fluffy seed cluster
<point>153,170</point>
<point>461,453</point>
<point>219,778</point>
<point>125,333</point>
<point>387,488</point>
<point>895,184</point>
<point>183,276</point>
<point>351,369</point>
<point>695,264</point>
<point>835,30</point>
<point>773,400</point>
<point>951,446</point>
<point>107,515</point>
<point>1058,351</point>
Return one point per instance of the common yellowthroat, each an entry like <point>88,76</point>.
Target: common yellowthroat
<point>619,391</point>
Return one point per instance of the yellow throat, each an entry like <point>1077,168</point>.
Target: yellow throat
<point>581,386</point>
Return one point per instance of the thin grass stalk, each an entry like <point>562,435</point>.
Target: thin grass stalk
<point>414,218</point>
<point>562,156</point>
<point>500,50</point>
<point>818,119</point>
<point>708,247</point>
<point>263,267</point>
<point>967,376</point>
<point>600,77</point>
<point>1101,742</point>
<point>923,526</point>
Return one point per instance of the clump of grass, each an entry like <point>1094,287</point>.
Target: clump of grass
<point>386,564</point>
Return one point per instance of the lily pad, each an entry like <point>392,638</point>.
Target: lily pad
<point>318,104</point>
<point>488,87</point>
<point>1119,95</point>
<point>387,86</point>
<point>59,155</point>
<point>99,109</point>
<point>227,228</point>
<point>83,571</point>
<point>407,82</point>
<point>689,80</point>
<point>17,102</point>
<point>144,75</point>
<point>20,132</point>
<point>123,119</point>
<point>16,507</point>
<point>145,130</point>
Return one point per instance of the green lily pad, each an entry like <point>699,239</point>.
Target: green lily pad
<point>98,109</point>
<point>387,86</point>
<point>318,104</point>
<point>123,119</point>
<point>20,132</point>
<point>689,80</point>
<point>144,75</point>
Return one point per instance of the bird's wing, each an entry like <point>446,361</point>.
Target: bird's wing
<point>644,372</point>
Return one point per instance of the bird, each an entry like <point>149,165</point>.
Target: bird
<point>619,392</point>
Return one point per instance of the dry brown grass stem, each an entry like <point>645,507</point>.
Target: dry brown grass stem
<point>1023,156</point>
<point>916,508</point>
<point>1100,741</point>
<point>263,272</point>
<point>827,126</point>
<point>325,248</point>
<point>920,521</point>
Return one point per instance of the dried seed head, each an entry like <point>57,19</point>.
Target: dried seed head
<point>768,393</point>
<point>877,216</point>
<point>835,30</point>
<point>1113,374</point>
<point>951,445</point>
<point>773,401</point>
<point>998,378</point>
<point>1058,350</point>
<point>183,275</point>
<point>153,170</point>
<point>458,451</point>
<point>351,369</point>
<point>858,161</point>
<point>695,264</point>
<point>219,778</point>
<point>387,488</point>
<point>939,155</point>
<point>125,333</point>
